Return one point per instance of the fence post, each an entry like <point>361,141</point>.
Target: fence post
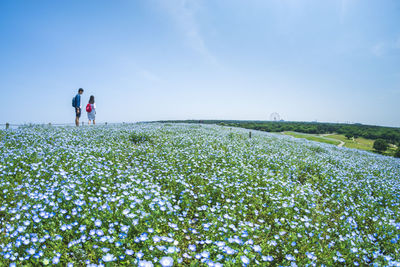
<point>7,125</point>
<point>250,135</point>
<point>106,123</point>
<point>82,123</point>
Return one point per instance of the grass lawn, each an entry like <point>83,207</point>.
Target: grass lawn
<point>358,143</point>
<point>313,138</point>
<point>391,151</point>
<point>362,143</point>
<point>334,139</point>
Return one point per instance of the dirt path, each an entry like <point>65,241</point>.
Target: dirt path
<point>341,142</point>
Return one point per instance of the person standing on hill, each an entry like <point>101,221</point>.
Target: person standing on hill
<point>91,110</point>
<point>76,103</point>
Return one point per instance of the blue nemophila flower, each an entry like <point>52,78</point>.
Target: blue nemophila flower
<point>289,257</point>
<point>267,258</point>
<point>105,250</point>
<point>97,223</point>
<point>257,248</point>
<point>205,254</point>
<point>79,202</point>
<point>171,250</point>
<point>126,211</point>
<point>143,237</point>
<point>129,252</point>
<point>99,232</point>
<point>244,260</point>
<point>31,251</point>
<point>139,254</point>
<point>229,250</point>
<point>219,244</point>
<point>192,247</point>
<point>108,257</point>
<point>311,256</point>
<point>150,181</point>
<point>166,261</point>
<point>161,248</point>
<point>144,263</point>
<point>124,228</point>
<point>56,260</point>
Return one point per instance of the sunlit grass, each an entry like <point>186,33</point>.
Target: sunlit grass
<point>312,137</point>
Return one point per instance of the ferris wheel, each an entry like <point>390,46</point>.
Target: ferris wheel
<point>275,116</point>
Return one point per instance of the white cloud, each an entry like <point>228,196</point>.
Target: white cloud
<point>183,13</point>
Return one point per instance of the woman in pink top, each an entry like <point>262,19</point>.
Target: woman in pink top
<point>92,113</point>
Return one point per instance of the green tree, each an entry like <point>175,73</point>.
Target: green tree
<point>380,145</point>
<point>349,136</point>
<point>397,154</point>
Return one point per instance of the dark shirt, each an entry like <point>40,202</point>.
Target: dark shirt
<point>78,101</point>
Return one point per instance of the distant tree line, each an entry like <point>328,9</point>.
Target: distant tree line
<point>389,134</point>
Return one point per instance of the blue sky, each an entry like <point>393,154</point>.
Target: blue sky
<point>334,61</point>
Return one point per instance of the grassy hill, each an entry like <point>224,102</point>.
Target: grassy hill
<point>353,135</point>
<point>191,194</point>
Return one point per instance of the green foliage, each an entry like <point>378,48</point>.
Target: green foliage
<point>348,136</point>
<point>317,149</point>
<point>137,137</point>
<point>380,145</point>
<point>397,154</point>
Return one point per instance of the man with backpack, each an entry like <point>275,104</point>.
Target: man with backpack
<point>76,103</point>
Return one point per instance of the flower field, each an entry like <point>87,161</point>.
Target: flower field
<point>179,195</point>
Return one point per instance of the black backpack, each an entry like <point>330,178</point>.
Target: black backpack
<point>74,102</point>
